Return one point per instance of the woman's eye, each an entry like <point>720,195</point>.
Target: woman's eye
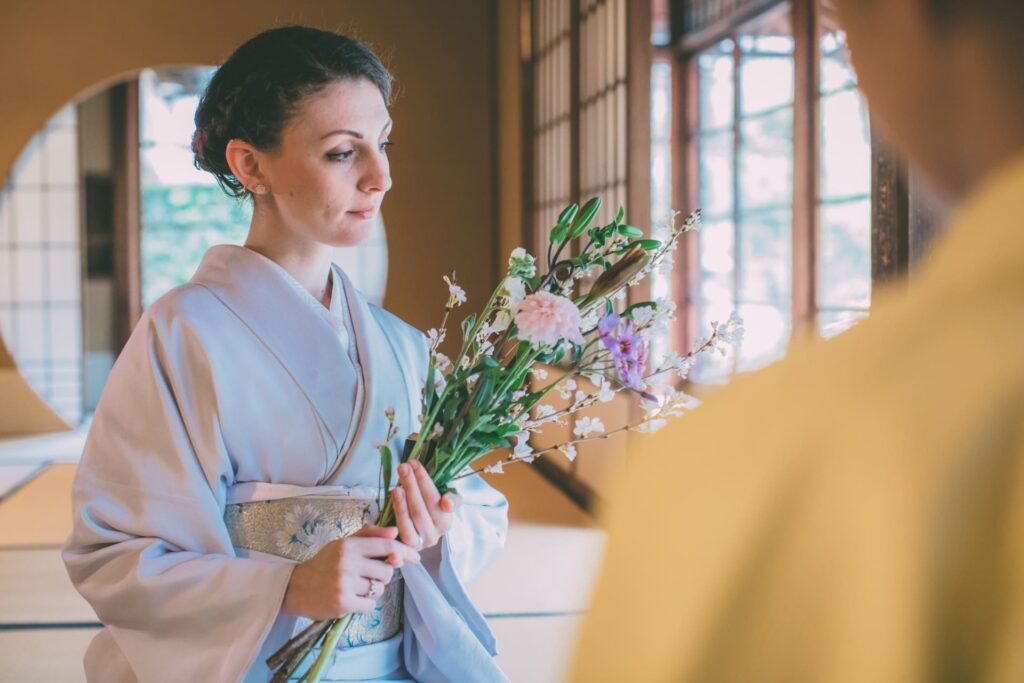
<point>343,156</point>
<point>384,146</point>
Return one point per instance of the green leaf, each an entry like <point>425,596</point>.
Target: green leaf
<point>642,304</point>
<point>568,213</point>
<point>648,245</point>
<point>429,392</point>
<point>531,399</point>
<point>451,407</point>
<point>620,214</point>
<point>385,464</point>
<point>508,429</point>
<point>577,355</point>
<point>493,441</point>
<point>630,230</point>
<point>467,325</point>
<point>483,392</point>
<point>587,214</point>
<point>559,354</point>
<point>440,456</point>
<point>559,233</point>
<point>485,364</point>
<point>486,425</point>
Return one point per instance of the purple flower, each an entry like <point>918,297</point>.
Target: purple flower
<point>627,349</point>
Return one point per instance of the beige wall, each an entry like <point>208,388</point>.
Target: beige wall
<point>442,211</point>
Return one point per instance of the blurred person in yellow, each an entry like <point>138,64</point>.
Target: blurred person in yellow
<point>856,512</point>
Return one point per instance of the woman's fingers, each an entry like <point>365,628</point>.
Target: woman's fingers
<point>395,559</point>
<point>406,528</point>
<point>374,531</point>
<point>375,569</point>
<point>439,510</point>
<point>358,604</point>
<point>418,511</point>
<point>374,585</point>
<point>428,491</point>
<point>450,502</point>
<point>381,547</point>
<point>355,590</point>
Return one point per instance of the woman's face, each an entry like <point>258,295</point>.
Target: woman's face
<point>329,175</point>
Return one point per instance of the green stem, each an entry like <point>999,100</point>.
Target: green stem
<point>455,463</point>
<point>537,454</point>
<point>484,315</point>
<point>465,408</point>
<point>517,366</point>
<point>428,422</point>
<point>326,650</point>
<point>288,658</point>
<point>439,400</point>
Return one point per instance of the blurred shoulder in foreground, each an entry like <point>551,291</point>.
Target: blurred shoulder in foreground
<point>856,512</point>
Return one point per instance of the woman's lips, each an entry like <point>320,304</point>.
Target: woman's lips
<point>365,213</point>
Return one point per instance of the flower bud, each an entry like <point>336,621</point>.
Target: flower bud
<point>621,272</point>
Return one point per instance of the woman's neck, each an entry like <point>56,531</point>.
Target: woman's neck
<point>307,261</point>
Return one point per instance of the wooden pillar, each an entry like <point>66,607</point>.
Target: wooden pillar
<point>805,167</point>
<point>127,212</point>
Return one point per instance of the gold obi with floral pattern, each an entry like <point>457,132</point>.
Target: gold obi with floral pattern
<point>297,528</point>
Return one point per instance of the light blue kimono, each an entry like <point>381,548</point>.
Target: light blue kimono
<point>231,389</point>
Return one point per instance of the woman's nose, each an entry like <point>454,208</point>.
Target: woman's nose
<point>378,175</point>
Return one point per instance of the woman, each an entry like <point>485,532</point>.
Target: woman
<point>235,439</point>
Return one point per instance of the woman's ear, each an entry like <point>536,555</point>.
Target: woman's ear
<point>243,160</point>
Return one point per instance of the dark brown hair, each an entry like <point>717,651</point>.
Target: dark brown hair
<point>260,87</point>
<point>1004,18</point>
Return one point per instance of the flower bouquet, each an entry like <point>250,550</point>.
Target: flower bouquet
<point>492,393</point>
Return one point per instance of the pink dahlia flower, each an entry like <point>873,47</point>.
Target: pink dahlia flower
<point>544,318</point>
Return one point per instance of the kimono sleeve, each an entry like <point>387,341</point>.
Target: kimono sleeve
<point>478,531</point>
<point>447,637</point>
<point>149,549</point>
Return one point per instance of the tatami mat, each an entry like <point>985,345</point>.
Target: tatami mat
<point>44,656</point>
<point>531,651</point>
<point>39,513</point>
<point>35,589</point>
<point>551,554</point>
<point>536,650</point>
<point>14,475</point>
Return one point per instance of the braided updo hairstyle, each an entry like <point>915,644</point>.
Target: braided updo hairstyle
<point>260,87</point>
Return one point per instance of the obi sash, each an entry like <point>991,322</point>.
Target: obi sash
<point>297,528</point>
<point>442,636</point>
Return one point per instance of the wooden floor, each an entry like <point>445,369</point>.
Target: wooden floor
<point>534,597</point>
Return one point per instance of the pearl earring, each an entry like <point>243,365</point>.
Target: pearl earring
<point>260,189</point>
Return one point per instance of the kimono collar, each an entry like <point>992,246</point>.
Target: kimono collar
<point>267,300</point>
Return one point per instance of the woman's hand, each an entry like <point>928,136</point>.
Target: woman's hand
<point>423,515</point>
<point>337,580</point>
